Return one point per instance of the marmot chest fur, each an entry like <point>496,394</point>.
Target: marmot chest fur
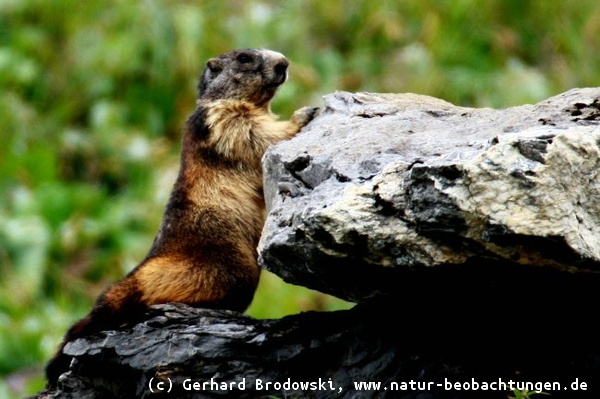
<point>205,251</point>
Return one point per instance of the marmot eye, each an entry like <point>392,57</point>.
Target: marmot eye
<point>244,58</point>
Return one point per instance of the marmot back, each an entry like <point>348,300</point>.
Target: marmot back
<point>205,251</point>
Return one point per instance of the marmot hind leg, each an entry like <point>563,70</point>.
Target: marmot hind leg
<point>105,315</point>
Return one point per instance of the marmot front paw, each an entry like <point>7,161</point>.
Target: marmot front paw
<point>304,115</point>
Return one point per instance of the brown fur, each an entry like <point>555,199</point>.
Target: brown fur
<point>205,251</point>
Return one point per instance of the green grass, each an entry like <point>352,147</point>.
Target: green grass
<point>93,96</point>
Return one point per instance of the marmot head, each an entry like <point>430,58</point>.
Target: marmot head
<point>251,75</point>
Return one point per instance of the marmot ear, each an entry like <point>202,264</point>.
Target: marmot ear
<point>215,65</point>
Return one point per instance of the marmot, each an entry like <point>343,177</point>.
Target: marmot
<point>205,251</point>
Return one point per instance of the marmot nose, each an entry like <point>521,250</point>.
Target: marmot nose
<point>281,67</point>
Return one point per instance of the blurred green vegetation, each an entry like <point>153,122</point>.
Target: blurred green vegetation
<point>93,96</point>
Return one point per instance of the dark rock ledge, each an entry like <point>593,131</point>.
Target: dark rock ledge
<point>371,342</point>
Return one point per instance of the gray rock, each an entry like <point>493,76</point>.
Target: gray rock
<point>381,187</point>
